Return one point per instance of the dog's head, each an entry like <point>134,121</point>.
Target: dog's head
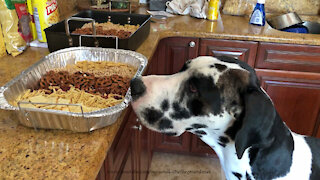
<point>208,92</point>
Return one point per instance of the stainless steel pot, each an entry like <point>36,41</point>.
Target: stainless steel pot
<point>285,20</point>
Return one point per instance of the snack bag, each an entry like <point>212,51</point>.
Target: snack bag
<point>45,14</point>
<point>14,43</point>
<point>24,19</point>
<point>2,46</point>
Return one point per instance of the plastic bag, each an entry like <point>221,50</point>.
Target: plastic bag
<point>195,8</point>
<point>9,20</point>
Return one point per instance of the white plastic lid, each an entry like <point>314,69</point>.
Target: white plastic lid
<point>261,1</point>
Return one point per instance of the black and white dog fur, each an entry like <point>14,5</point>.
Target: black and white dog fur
<point>221,101</point>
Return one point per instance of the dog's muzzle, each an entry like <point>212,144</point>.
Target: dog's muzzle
<point>137,88</point>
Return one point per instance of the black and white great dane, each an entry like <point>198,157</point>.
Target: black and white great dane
<point>220,100</point>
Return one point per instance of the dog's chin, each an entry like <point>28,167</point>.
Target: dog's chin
<point>169,132</point>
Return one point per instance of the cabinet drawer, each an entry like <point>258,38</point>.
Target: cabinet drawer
<point>243,50</point>
<point>288,57</point>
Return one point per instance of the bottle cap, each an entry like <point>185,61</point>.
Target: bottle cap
<point>261,1</point>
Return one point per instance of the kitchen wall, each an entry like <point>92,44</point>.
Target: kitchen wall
<point>66,7</point>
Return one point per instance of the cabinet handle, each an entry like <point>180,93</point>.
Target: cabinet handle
<point>192,44</point>
<point>138,127</point>
<point>227,53</point>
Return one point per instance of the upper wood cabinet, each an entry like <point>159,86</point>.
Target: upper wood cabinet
<point>291,57</point>
<point>296,97</point>
<point>243,50</point>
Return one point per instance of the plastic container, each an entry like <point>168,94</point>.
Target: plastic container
<point>55,119</point>
<point>285,20</point>
<point>58,38</point>
<point>2,46</point>
<point>213,10</point>
<point>296,29</point>
<point>31,24</point>
<point>258,16</point>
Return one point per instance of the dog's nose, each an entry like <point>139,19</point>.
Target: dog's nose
<point>137,88</point>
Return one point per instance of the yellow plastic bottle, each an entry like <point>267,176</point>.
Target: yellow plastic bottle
<point>32,25</point>
<point>213,10</point>
<point>2,46</point>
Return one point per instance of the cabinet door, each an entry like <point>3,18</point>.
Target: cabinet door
<point>101,175</point>
<point>172,53</point>
<point>169,58</point>
<point>200,148</point>
<point>164,143</point>
<point>120,157</point>
<point>243,50</point>
<point>318,134</point>
<point>127,170</point>
<point>142,148</point>
<point>296,96</point>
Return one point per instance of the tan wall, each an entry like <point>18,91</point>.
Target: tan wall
<point>66,7</point>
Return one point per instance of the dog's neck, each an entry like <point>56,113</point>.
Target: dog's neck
<point>220,135</point>
<point>219,131</point>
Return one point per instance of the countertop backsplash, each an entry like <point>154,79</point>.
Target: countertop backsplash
<point>65,7</point>
<point>245,7</point>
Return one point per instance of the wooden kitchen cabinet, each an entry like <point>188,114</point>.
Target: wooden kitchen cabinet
<point>289,73</point>
<point>296,96</point>
<point>172,53</point>
<point>129,156</point>
<point>169,58</point>
<point>291,76</point>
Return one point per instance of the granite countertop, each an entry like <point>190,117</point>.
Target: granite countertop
<point>29,154</point>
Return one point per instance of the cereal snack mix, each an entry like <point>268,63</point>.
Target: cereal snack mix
<point>93,85</point>
<point>108,29</point>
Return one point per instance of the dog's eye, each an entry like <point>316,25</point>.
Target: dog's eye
<point>192,88</point>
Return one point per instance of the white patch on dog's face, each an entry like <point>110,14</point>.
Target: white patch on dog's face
<point>205,93</point>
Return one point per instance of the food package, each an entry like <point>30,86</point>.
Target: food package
<point>31,24</point>
<point>9,20</point>
<point>24,19</point>
<point>2,46</point>
<point>45,14</point>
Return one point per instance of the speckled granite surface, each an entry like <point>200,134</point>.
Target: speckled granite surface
<point>245,7</point>
<point>27,154</point>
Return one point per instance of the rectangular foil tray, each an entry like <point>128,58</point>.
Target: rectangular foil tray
<point>55,119</point>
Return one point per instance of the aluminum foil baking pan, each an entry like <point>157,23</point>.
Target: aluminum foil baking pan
<point>55,119</point>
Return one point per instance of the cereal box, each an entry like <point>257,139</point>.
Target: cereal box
<point>45,14</point>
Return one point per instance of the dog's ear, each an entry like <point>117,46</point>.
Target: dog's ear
<point>258,118</point>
